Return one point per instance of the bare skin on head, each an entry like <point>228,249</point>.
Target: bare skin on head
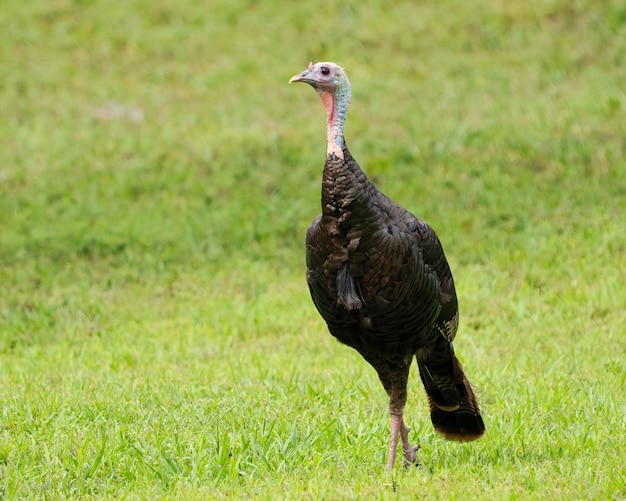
<point>331,83</point>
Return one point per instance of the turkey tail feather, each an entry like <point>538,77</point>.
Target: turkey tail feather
<point>454,410</point>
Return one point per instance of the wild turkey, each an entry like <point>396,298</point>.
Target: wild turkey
<point>379,278</point>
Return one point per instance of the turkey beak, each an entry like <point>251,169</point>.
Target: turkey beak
<point>300,77</point>
<point>305,76</point>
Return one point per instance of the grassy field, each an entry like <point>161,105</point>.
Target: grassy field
<point>157,175</point>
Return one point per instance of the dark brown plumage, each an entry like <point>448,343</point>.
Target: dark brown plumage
<point>380,279</point>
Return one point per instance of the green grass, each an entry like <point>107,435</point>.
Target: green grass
<point>157,175</point>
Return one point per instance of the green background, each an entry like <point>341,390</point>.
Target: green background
<point>157,175</point>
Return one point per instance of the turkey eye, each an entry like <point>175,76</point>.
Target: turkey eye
<point>325,70</point>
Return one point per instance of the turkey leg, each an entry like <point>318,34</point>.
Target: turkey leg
<point>394,377</point>
<point>396,388</point>
<point>398,428</point>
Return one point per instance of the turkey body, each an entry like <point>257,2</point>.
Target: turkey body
<point>379,277</point>
<point>374,270</point>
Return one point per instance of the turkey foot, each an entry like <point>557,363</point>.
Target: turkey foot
<point>398,428</point>
<point>410,456</point>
